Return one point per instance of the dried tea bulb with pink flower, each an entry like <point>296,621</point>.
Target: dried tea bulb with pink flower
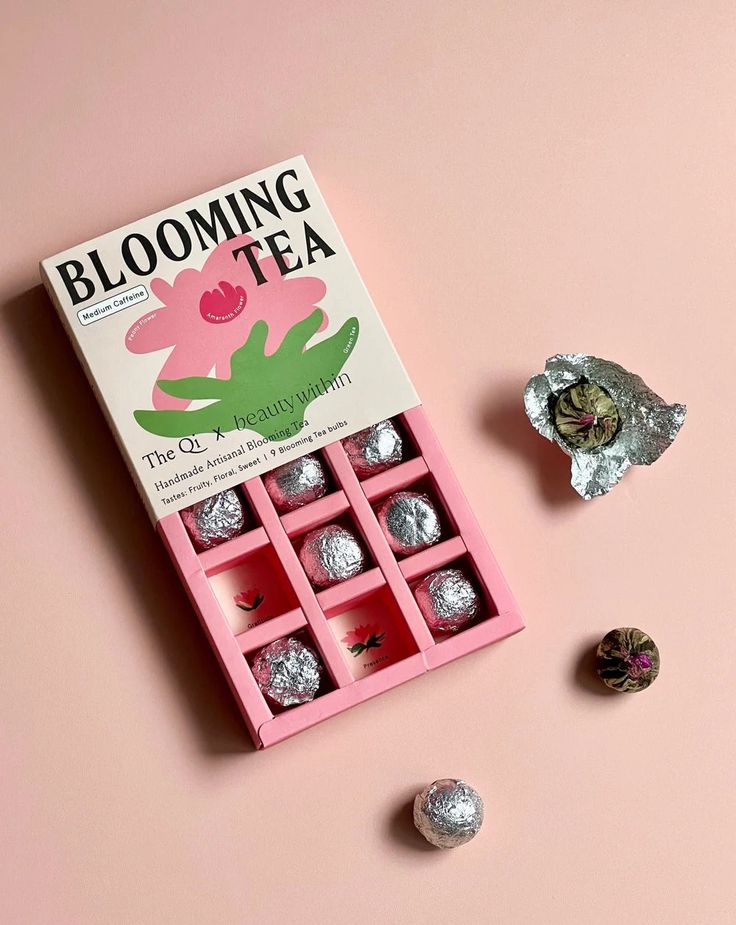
<point>586,416</point>
<point>627,660</point>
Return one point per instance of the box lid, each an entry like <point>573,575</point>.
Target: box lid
<point>227,335</point>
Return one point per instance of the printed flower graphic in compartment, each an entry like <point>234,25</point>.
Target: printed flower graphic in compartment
<point>249,600</point>
<point>207,314</point>
<point>363,638</point>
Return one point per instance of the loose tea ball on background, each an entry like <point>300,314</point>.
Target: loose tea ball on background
<point>296,483</point>
<point>627,660</point>
<point>448,813</point>
<point>374,449</point>
<point>447,599</point>
<point>331,554</point>
<point>287,672</point>
<point>586,416</point>
<point>215,520</point>
<point>409,521</point>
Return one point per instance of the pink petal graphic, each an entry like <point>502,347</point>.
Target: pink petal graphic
<point>206,315</point>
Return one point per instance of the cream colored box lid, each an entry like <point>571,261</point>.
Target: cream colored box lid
<point>227,335</point>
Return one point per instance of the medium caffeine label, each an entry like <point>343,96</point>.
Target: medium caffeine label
<point>110,306</point>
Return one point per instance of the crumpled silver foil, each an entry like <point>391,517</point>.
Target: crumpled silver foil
<point>447,600</point>
<point>296,483</point>
<point>647,424</point>
<point>331,554</point>
<point>215,520</point>
<point>409,522</point>
<point>374,449</point>
<point>287,672</point>
<point>448,813</point>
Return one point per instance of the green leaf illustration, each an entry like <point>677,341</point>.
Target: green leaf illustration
<point>374,642</point>
<point>257,381</point>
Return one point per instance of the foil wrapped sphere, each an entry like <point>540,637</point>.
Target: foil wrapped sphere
<point>296,483</point>
<point>215,520</point>
<point>586,416</point>
<point>409,521</point>
<point>448,813</point>
<point>287,672</point>
<point>374,449</point>
<point>605,418</point>
<point>627,660</point>
<point>330,555</point>
<point>448,600</point>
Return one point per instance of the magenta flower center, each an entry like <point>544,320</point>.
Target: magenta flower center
<point>223,304</point>
<point>588,420</point>
<point>638,665</point>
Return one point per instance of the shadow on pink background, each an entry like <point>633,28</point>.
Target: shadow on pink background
<point>513,180</point>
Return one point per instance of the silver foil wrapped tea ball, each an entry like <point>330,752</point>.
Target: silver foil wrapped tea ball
<point>586,416</point>
<point>448,600</point>
<point>627,660</point>
<point>448,813</point>
<point>215,520</point>
<point>296,483</point>
<point>287,672</point>
<point>409,521</point>
<point>374,449</point>
<point>330,555</point>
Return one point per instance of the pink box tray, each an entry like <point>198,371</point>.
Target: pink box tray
<point>381,597</point>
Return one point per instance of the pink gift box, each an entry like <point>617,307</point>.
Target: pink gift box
<point>230,334</point>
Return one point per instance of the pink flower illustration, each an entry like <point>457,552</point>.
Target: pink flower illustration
<point>249,600</point>
<point>207,314</point>
<point>363,637</point>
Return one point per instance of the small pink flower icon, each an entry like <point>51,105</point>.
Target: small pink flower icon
<point>249,600</point>
<point>363,637</point>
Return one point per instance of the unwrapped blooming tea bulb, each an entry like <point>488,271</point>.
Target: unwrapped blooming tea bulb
<point>374,449</point>
<point>215,520</point>
<point>627,660</point>
<point>448,600</point>
<point>409,521</point>
<point>330,555</point>
<point>448,813</point>
<point>287,672</point>
<point>296,483</point>
<point>586,416</point>
<point>605,418</point>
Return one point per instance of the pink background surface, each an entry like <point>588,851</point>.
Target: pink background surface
<point>514,179</point>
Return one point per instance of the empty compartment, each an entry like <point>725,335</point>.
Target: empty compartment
<point>424,485</point>
<point>485,609</point>
<point>371,632</point>
<point>253,589</point>
<point>326,684</point>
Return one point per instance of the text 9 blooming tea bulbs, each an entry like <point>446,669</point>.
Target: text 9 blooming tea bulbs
<point>280,448</point>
